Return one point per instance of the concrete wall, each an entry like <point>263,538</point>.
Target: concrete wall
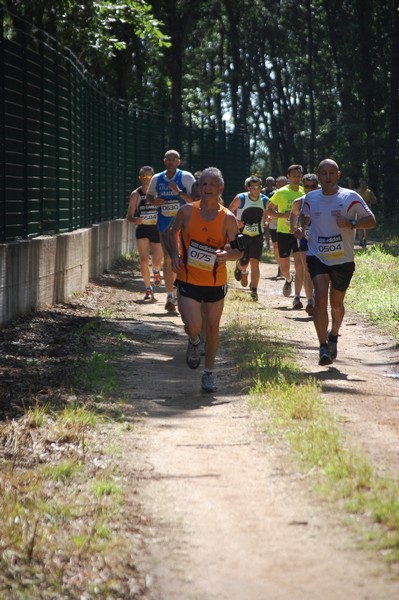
<point>37,273</point>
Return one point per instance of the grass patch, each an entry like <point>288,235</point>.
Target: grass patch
<point>97,373</point>
<point>61,518</point>
<point>293,407</point>
<point>64,529</point>
<point>374,288</point>
<point>125,260</point>
<point>63,471</point>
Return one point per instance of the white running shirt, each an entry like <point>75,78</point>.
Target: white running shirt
<point>329,243</point>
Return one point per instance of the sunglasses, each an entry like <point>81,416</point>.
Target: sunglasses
<point>254,187</point>
<point>310,186</point>
<point>146,176</point>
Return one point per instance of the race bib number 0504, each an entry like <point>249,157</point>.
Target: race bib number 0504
<point>330,248</point>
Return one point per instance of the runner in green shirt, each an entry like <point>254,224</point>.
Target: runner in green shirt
<point>280,207</point>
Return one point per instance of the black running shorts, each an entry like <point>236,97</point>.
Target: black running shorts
<point>273,234</point>
<point>201,293</point>
<point>148,231</point>
<point>340,275</point>
<point>287,243</point>
<point>253,248</point>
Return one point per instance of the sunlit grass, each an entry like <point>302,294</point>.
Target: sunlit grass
<point>62,471</point>
<point>292,407</point>
<point>97,373</point>
<point>106,487</point>
<point>59,512</point>
<point>60,497</point>
<point>105,313</point>
<point>374,288</point>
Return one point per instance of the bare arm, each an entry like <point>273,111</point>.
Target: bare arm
<point>155,200</point>
<point>172,232</point>
<point>132,209</point>
<point>151,195</point>
<point>295,209</point>
<point>230,232</point>
<point>272,211</point>
<point>266,217</point>
<point>367,222</point>
<point>373,198</point>
<point>175,188</point>
<point>234,206</point>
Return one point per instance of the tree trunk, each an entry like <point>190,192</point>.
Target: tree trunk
<point>391,187</point>
<point>364,9</point>
<point>309,74</point>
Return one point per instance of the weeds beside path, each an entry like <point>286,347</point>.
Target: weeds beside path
<point>196,501</point>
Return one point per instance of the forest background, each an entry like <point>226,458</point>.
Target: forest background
<point>304,80</point>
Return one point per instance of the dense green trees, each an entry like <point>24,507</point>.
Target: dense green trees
<point>306,80</point>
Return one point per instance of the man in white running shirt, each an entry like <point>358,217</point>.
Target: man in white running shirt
<point>334,213</point>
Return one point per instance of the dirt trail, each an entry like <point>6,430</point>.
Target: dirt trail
<point>229,515</point>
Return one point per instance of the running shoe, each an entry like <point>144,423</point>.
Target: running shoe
<point>309,308</point>
<point>297,304</point>
<point>237,273</point>
<point>332,346</point>
<point>193,354</point>
<point>254,294</point>
<point>208,382</point>
<point>287,288</point>
<point>157,278</point>
<point>244,278</point>
<point>324,356</point>
<point>149,294</point>
<point>170,305</point>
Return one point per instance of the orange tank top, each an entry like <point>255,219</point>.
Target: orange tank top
<point>199,242</point>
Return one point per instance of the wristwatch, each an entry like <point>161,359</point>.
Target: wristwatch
<point>353,223</point>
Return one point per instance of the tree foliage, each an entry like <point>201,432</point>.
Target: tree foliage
<point>103,35</point>
<point>305,80</point>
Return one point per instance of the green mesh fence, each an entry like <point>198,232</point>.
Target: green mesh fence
<point>69,155</point>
